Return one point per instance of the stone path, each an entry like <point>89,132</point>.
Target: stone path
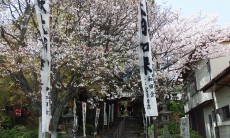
<point>109,133</point>
<point>132,129</point>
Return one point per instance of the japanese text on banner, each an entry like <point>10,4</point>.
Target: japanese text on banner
<point>145,58</point>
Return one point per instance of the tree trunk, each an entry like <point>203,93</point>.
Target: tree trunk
<point>59,108</point>
<point>55,118</point>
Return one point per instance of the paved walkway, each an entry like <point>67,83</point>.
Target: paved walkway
<point>110,131</point>
<point>132,129</point>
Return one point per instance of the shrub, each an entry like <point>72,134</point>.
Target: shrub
<point>174,128</point>
<point>194,134</point>
<point>6,121</point>
<point>18,132</point>
<point>150,130</point>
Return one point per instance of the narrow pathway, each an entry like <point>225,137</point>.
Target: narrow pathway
<point>132,128</point>
<point>109,132</point>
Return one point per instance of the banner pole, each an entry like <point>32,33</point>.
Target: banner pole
<point>155,126</point>
<point>84,117</point>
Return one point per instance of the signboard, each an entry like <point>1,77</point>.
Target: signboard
<point>173,96</point>
<point>112,113</point>
<point>105,114</point>
<point>109,116</point>
<point>96,119</point>
<point>145,59</point>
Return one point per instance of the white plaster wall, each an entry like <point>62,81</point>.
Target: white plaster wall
<point>198,98</point>
<point>186,107</point>
<point>218,65</point>
<point>202,77</point>
<point>224,131</point>
<point>223,99</point>
<point>202,74</point>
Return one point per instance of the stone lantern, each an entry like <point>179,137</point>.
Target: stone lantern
<point>164,114</point>
<point>68,122</point>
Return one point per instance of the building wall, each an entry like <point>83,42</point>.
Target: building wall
<point>186,107</point>
<point>202,77</point>
<point>197,122</point>
<point>198,99</point>
<point>218,65</point>
<point>209,127</point>
<point>224,131</point>
<point>222,99</point>
<point>202,74</point>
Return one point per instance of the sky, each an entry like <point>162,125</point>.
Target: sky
<point>188,7</point>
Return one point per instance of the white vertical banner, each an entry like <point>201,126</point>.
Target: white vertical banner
<point>84,117</point>
<point>43,16</point>
<point>145,59</point>
<point>112,113</point>
<point>105,114</point>
<point>96,120</point>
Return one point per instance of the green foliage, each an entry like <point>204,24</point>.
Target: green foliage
<point>150,130</point>
<point>176,106</point>
<point>10,92</point>
<point>194,134</point>
<point>177,111</point>
<point>174,128</point>
<point>18,132</point>
<point>160,131</point>
<point>6,121</point>
<point>5,90</point>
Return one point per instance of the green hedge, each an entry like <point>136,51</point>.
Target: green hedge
<point>18,132</point>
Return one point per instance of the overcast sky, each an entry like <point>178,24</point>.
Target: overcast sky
<point>188,7</point>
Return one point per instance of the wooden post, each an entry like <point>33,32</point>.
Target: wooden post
<point>155,126</point>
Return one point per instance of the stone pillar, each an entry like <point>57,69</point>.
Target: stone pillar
<point>165,120</point>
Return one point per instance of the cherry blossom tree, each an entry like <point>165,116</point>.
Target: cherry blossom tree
<point>90,46</point>
<point>180,41</point>
<point>94,47</point>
